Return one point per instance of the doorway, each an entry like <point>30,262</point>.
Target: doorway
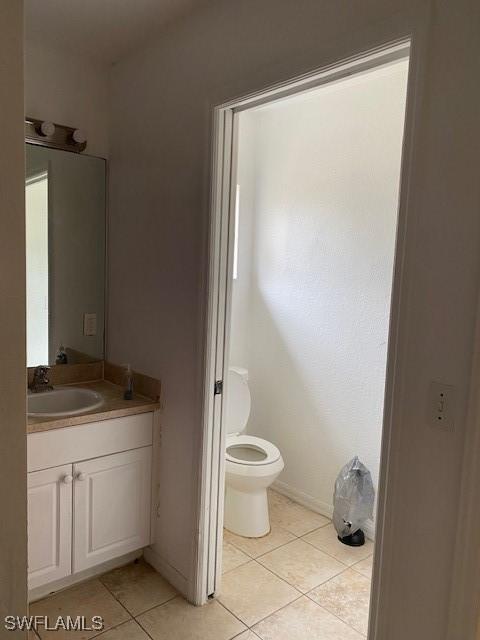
<point>326,232</point>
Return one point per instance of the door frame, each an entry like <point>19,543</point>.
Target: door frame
<point>220,294</point>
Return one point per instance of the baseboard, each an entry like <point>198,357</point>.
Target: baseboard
<point>316,505</point>
<point>174,577</point>
<point>64,583</point>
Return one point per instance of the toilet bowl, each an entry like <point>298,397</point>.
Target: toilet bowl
<point>251,464</point>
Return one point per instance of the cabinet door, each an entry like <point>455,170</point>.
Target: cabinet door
<point>49,525</point>
<point>111,506</point>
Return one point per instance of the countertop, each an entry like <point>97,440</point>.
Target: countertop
<point>114,406</point>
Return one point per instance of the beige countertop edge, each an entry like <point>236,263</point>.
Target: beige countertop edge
<point>112,394</point>
<point>73,421</point>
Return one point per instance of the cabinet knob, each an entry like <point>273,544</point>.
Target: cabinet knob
<point>80,476</point>
<point>67,479</point>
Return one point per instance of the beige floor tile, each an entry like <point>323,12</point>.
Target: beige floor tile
<point>247,635</point>
<point>178,620</point>
<point>138,587</point>
<point>304,620</point>
<point>326,540</point>
<point>293,517</point>
<point>274,497</point>
<point>251,593</point>
<point>255,547</point>
<point>232,557</point>
<point>126,631</point>
<point>346,596</point>
<point>365,567</point>
<point>301,565</point>
<point>87,599</point>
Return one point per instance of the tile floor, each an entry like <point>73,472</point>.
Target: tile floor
<point>298,582</point>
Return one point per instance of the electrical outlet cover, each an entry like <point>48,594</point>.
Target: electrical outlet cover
<point>89,324</point>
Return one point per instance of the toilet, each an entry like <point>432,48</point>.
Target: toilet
<point>251,464</point>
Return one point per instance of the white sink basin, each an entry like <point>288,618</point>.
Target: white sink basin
<point>64,401</point>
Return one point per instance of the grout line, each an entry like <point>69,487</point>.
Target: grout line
<point>96,635</point>
<point>235,616</point>
<point>235,637</point>
<point>284,544</point>
<point>281,545</point>
<point>134,617</point>
<point>160,604</point>
<point>301,595</point>
<point>143,628</point>
<point>279,577</point>
<point>297,588</point>
<point>361,574</point>
<point>334,614</point>
<point>334,557</point>
<point>224,573</point>
<point>250,628</point>
<point>120,603</point>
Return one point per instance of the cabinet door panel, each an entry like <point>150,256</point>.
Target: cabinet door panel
<point>49,525</point>
<point>111,506</point>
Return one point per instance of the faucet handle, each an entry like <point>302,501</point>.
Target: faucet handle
<point>40,380</point>
<point>42,368</point>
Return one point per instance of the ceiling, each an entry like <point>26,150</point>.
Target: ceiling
<point>105,30</point>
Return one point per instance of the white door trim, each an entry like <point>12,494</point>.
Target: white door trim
<point>219,300</point>
<point>211,507</point>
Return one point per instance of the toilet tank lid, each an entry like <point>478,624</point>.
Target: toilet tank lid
<point>238,401</point>
<point>241,371</point>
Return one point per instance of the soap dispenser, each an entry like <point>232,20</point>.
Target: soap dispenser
<point>128,386</point>
<point>62,357</point>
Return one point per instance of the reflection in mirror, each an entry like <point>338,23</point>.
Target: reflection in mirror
<point>65,242</point>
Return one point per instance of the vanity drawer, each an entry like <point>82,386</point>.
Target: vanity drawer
<point>86,441</point>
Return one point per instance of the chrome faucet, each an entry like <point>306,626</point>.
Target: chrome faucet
<point>41,381</point>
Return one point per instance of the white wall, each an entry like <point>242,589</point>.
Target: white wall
<point>159,194</point>
<point>13,459</point>
<point>69,90</point>
<point>319,180</point>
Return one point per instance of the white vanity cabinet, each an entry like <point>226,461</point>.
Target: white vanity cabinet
<point>89,495</point>
<point>49,525</point>
<point>111,497</point>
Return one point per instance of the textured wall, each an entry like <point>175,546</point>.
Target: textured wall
<point>319,178</point>
<point>67,89</point>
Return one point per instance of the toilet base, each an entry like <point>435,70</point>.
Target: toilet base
<point>246,514</point>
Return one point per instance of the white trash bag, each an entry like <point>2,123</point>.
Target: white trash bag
<point>353,500</point>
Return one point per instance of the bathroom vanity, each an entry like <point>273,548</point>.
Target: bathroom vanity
<point>89,485</point>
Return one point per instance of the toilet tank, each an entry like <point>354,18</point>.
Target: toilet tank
<point>241,372</point>
<point>238,400</point>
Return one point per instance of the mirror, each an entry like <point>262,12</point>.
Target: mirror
<point>65,245</point>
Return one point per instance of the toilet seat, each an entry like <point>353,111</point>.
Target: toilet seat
<point>268,451</point>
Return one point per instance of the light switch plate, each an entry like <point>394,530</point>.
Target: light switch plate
<point>89,324</point>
